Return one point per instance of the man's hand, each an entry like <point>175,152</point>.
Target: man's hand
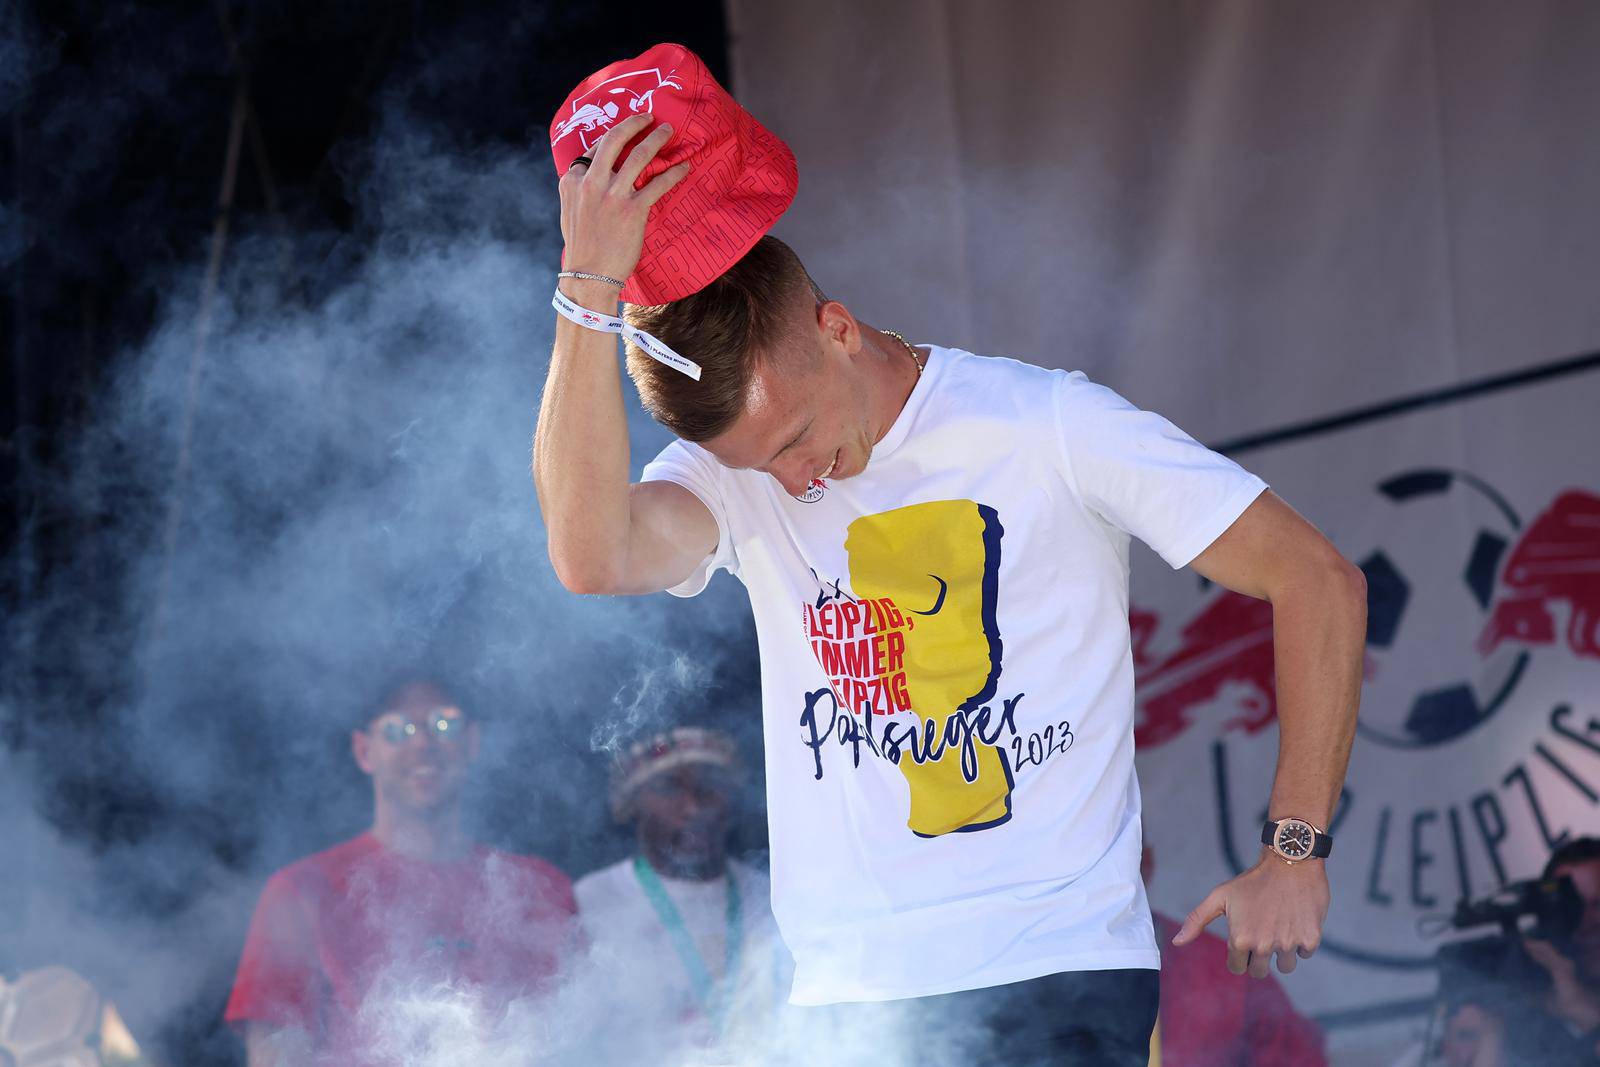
<point>602,214</point>
<point>1271,908</point>
<point>1569,998</point>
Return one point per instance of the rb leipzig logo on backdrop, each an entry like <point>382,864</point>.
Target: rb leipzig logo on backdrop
<point>1460,594</point>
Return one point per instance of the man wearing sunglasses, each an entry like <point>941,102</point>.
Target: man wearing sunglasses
<point>410,905</point>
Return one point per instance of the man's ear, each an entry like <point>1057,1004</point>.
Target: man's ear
<point>839,327</point>
<point>361,749</point>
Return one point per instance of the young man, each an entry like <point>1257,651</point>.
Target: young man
<point>681,933</point>
<point>935,547</point>
<point>407,905</point>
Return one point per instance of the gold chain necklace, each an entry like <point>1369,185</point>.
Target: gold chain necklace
<point>911,350</point>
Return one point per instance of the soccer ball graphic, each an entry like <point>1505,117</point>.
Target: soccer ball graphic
<point>1433,552</point>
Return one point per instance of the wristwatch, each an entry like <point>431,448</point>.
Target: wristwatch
<point>1296,839</point>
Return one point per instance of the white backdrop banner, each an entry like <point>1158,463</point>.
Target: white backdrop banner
<point>1478,748</point>
<point>1357,246</point>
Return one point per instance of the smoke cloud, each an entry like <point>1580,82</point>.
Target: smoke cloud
<point>355,507</point>
<point>323,492</point>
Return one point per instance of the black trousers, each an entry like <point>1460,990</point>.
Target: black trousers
<point>1069,1019</point>
<point>1072,1019</point>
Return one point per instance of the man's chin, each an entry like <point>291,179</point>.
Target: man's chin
<point>845,469</point>
<point>428,799</point>
<point>692,854</point>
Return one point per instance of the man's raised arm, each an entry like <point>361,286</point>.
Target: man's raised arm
<point>604,535</point>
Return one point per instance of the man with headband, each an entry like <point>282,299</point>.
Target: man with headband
<point>681,933</point>
<point>935,545</point>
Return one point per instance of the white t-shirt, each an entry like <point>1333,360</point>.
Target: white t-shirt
<point>947,681</point>
<point>639,962</point>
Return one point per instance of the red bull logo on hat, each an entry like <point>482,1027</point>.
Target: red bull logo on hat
<point>629,93</point>
<point>742,177</point>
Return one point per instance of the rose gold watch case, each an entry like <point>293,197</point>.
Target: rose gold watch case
<point>1285,827</point>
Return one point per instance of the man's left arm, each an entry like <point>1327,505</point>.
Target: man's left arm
<point>1319,622</point>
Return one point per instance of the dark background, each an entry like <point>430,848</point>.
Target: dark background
<point>117,126</point>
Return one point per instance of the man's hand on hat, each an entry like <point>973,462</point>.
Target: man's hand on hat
<point>602,214</point>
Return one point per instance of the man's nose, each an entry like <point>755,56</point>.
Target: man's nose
<point>429,733</point>
<point>794,475</point>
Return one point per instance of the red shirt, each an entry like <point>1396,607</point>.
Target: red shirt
<point>331,927</point>
<point>1211,1017</point>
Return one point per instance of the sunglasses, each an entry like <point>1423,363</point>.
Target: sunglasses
<point>437,726</point>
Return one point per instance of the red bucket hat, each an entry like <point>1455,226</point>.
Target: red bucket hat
<point>743,176</point>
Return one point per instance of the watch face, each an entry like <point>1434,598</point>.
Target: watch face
<point>1295,839</point>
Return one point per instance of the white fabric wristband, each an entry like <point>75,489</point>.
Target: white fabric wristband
<point>594,320</point>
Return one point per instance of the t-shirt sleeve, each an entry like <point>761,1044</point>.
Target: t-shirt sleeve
<point>697,472</point>
<point>1143,475</point>
<point>279,981</point>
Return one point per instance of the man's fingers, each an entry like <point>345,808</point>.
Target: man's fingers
<point>642,154</point>
<point>1287,961</point>
<point>662,183</point>
<point>1260,962</point>
<point>1238,959</point>
<point>1208,909</point>
<point>610,146</point>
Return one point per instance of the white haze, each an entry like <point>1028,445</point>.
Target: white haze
<point>357,507</point>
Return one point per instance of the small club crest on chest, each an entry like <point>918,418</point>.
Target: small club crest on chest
<point>813,491</point>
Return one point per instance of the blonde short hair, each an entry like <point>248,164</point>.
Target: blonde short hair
<point>744,316</point>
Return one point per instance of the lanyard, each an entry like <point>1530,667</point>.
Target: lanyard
<point>713,997</point>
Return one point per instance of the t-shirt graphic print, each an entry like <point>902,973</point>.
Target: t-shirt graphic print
<point>947,676</point>
<point>916,643</point>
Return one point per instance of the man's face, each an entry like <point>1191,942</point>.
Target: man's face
<point>417,749</point>
<point>808,411</point>
<point>1471,1036</point>
<point>1586,941</point>
<point>683,814</point>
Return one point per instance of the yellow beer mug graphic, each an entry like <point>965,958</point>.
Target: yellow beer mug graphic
<point>939,563</point>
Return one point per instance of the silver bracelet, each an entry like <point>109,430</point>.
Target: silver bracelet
<point>591,277</point>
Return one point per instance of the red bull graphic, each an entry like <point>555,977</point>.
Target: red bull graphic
<point>1555,567</point>
<point>1422,587</point>
<point>1437,808</point>
<point>1230,640</point>
<point>601,109</point>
